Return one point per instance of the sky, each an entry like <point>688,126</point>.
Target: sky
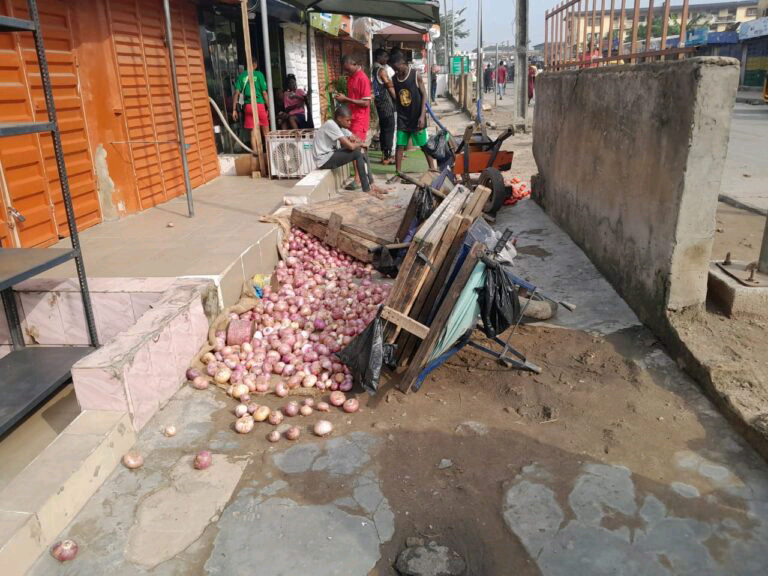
<point>499,17</point>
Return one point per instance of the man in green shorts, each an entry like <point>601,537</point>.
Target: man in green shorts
<point>411,104</point>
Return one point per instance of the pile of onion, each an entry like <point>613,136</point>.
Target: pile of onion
<point>325,299</point>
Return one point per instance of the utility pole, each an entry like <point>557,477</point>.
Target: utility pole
<point>444,34</point>
<point>479,59</point>
<point>453,28</point>
<point>521,61</point>
<point>762,262</point>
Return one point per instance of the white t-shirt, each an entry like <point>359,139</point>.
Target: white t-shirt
<point>327,141</point>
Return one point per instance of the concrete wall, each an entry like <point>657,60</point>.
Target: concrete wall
<point>630,161</point>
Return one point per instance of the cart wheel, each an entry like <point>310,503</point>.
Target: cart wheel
<point>493,179</point>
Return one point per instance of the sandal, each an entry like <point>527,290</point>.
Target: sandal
<point>352,186</point>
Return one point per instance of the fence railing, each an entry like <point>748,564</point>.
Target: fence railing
<point>589,33</point>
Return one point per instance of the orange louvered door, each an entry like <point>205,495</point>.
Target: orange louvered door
<point>30,178</point>
<point>147,94</point>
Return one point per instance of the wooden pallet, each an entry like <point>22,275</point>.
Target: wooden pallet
<point>355,223</point>
<point>429,335</point>
<point>425,255</point>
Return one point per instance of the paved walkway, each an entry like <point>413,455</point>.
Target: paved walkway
<point>745,176</point>
<point>692,506</point>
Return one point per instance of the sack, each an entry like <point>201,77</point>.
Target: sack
<point>438,146</point>
<point>499,303</point>
<point>367,353</point>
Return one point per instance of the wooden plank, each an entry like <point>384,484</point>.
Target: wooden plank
<point>422,312</point>
<point>407,220</point>
<point>424,351</point>
<point>476,202</point>
<point>414,270</point>
<point>355,246</point>
<point>363,215</point>
<point>332,230</point>
<point>404,322</point>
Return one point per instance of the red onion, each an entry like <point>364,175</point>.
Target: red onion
<point>345,386</point>
<point>273,436</point>
<point>244,424</point>
<point>281,390</point>
<point>211,368</point>
<point>64,550</point>
<point>252,407</point>
<point>305,410</point>
<point>309,381</point>
<point>322,407</point>
<point>322,428</point>
<point>275,417</point>
<point>133,460</point>
<point>241,410</point>
<point>199,383</point>
<point>337,398</point>
<point>207,358</point>
<point>203,459</point>
<point>192,373</point>
<point>291,409</point>
<point>292,433</point>
<point>294,381</point>
<point>351,405</point>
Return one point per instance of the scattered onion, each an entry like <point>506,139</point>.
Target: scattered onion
<point>244,424</point>
<point>133,460</point>
<point>351,405</point>
<point>337,398</point>
<point>323,428</point>
<point>292,433</point>
<point>64,550</point>
<point>305,410</point>
<point>203,459</point>
<point>274,436</point>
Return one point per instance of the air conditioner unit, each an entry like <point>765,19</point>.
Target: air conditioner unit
<point>290,153</point>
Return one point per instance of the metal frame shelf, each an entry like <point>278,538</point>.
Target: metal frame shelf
<point>28,375</point>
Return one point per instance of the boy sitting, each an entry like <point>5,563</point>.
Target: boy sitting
<point>335,146</point>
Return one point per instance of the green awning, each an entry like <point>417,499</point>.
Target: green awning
<point>427,11</point>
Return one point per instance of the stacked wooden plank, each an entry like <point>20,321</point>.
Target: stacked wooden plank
<point>423,274</point>
<point>355,223</point>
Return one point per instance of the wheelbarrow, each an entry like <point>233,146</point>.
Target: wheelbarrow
<point>480,161</point>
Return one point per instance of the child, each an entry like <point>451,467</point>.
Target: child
<point>294,100</point>
<point>411,105</point>
<point>335,146</point>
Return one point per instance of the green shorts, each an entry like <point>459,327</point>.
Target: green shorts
<point>419,138</point>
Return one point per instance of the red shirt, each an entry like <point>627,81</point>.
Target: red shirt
<point>502,75</point>
<point>359,88</point>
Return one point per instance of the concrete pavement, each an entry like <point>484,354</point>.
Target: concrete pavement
<point>328,507</point>
<point>745,176</point>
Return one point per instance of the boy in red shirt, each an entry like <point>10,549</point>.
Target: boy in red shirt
<point>358,98</point>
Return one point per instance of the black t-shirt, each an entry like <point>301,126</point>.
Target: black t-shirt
<point>408,102</point>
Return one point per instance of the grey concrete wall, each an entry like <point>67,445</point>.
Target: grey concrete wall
<point>630,160</point>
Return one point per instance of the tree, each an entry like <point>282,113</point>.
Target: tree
<point>446,24</point>
<point>673,28</point>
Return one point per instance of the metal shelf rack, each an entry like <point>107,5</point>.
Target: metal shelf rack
<point>28,375</point>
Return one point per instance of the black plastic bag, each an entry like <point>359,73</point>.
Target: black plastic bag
<point>387,261</point>
<point>438,146</point>
<point>366,354</point>
<point>499,303</point>
<point>425,204</point>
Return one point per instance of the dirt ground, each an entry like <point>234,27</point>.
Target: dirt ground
<point>738,232</point>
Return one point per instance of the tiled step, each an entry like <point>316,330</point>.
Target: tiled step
<point>47,494</point>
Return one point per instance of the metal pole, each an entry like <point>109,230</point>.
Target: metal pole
<point>444,33</point>
<point>453,29</point>
<point>177,100</point>
<point>479,59</point>
<point>762,262</point>
<point>310,115</point>
<point>268,65</point>
<point>521,65</point>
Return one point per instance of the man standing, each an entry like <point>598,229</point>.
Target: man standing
<point>243,87</point>
<point>487,79</point>
<point>358,99</point>
<point>411,104</point>
<point>501,79</point>
<point>384,97</point>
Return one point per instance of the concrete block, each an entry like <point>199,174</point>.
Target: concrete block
<point>144,366</point>
<point>48,493</point>
<point>631,159</point>
<point>734,298</point>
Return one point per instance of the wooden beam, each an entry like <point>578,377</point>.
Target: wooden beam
<point>332,233</point>
<point>408,324</point>
<point>255,134</point>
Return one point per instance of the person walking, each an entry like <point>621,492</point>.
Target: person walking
<point>532,71</point>
<point>243,92</point>
<point>411,104</point>
<point>358,99</point>
<point>384,98</point>
<point>433,82</point>
<point>501,80</point>
<point>487,79</point>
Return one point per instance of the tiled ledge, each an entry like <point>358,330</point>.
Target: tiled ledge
<point>47,494</point>
<point>144,366</point>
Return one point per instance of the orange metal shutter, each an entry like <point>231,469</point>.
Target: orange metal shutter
<point>142,61</point>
